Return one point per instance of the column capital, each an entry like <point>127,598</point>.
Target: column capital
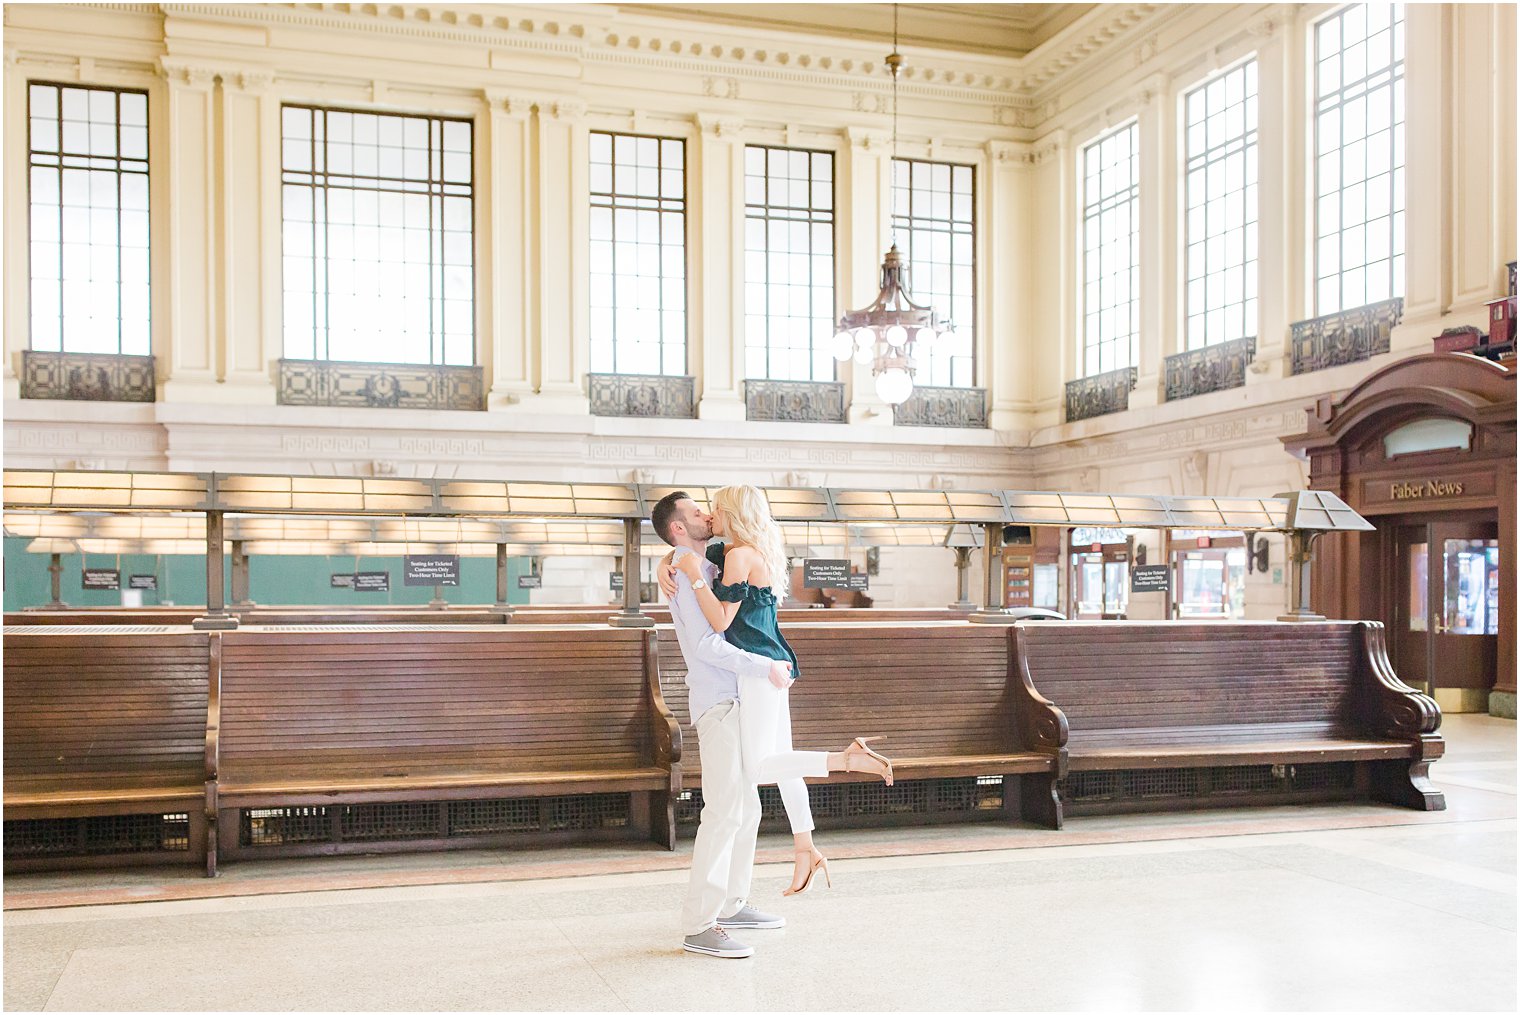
<point>251,81</point>
<point>184,74</point>
<point>511,104</point>
<point>867,139</point>
<point>717,125</point>
<point>565,110</point>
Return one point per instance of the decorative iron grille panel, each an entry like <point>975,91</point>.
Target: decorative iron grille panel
<point>642,395</point>
<point>587,813</point>
<point>381,386</point>
<point>87,376</point>
<point>1223,781</point>
<point>1100,394</point>
<point>795,401</point>
<point>1347,337</point>
<point>370,822</point>
<point>842,803</point>
<point>943,407</point>
<point>97,836</point>
<point>487,817</point>
<point>280,826</point>
<point>1212,368</point>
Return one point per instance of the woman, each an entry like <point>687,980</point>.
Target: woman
<point>742,602</point>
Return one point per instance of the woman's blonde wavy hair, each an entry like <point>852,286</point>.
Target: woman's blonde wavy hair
<point>750,524</point>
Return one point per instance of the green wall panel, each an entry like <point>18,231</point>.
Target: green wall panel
<point>272,581</point>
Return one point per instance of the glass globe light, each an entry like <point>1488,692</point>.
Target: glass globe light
<point>894,386</point>
<point>864,355</point>
<point>924,336</point>
<point>864,338</point>
<point>844,346</point>
<point>896,335</point>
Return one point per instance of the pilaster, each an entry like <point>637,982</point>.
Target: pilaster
<point>248,310</point>
<point>563,333</point>
<point>188,351</point>
<point>865,208</point>
<point>1281,109</point>
<point>504,166</point>
<point>1158,213</point>
<point>17,256</point>
<point>1001,215</point>
<point>717,263</point>
<point>1427,139</point>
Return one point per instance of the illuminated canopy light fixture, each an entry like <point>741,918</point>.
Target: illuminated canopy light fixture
<point>888,333</point>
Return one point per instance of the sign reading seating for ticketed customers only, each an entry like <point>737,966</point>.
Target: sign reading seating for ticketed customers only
<point>826,574</point>
<point>1150,578</point>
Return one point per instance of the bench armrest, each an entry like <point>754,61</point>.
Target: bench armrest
<point>1393,708</point>
<point>666,730</point>
<point>1041,725</point>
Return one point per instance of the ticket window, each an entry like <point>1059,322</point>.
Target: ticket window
<point>1210,583</point>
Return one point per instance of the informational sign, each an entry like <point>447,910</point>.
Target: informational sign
<point>148,582</point>
<point>615,581</point>
<point>825,574</point>
<point>372,581</point>
<point>1204,542</point>
<point>101,578</point>
<point>1150,578</point>
<point>342,581</point>
<point>530,581</point>
<point>859,582</point>
<point>431,569</point>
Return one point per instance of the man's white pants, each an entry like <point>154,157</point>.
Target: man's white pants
<point>724,855</point>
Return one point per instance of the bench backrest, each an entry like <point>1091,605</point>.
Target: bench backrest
<point>931,689</point>
<point>1125,682</point>
<point>92,706</point>
<point>171,615</point>
<point>416,700</point>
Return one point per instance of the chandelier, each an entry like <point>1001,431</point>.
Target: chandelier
<point>890,332</point>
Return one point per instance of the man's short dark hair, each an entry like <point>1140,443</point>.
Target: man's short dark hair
<point>665,512</point>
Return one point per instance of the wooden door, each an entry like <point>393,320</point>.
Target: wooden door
<point>1446,618</point>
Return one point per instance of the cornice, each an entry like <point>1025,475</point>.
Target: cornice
<point>1018,91</point>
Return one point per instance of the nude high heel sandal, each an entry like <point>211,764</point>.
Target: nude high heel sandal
<point>817,863</point>
<point>858,746</point>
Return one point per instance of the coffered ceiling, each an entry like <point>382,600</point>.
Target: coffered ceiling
<point>991,28</point>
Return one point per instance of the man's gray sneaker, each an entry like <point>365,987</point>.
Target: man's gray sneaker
<point>750,918</point>
<point>715,941</point>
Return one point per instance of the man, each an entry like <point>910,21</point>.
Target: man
<point>724,853</point>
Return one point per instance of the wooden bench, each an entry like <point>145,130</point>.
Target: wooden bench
<point>1178,695</point>
<point>328,718</point>
<point>941,693</point>
<point>106,721</point>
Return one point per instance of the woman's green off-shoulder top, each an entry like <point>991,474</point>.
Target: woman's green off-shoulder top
<point>754,627</point>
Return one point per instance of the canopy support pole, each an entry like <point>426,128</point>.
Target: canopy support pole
<point>501,605</point>
<point>991,611</point>
<point>217,618</point>
<point>629,615</point>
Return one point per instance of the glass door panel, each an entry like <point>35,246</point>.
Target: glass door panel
<point>1471,576</point>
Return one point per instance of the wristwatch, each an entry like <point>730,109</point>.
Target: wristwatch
<point>699,584</point>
